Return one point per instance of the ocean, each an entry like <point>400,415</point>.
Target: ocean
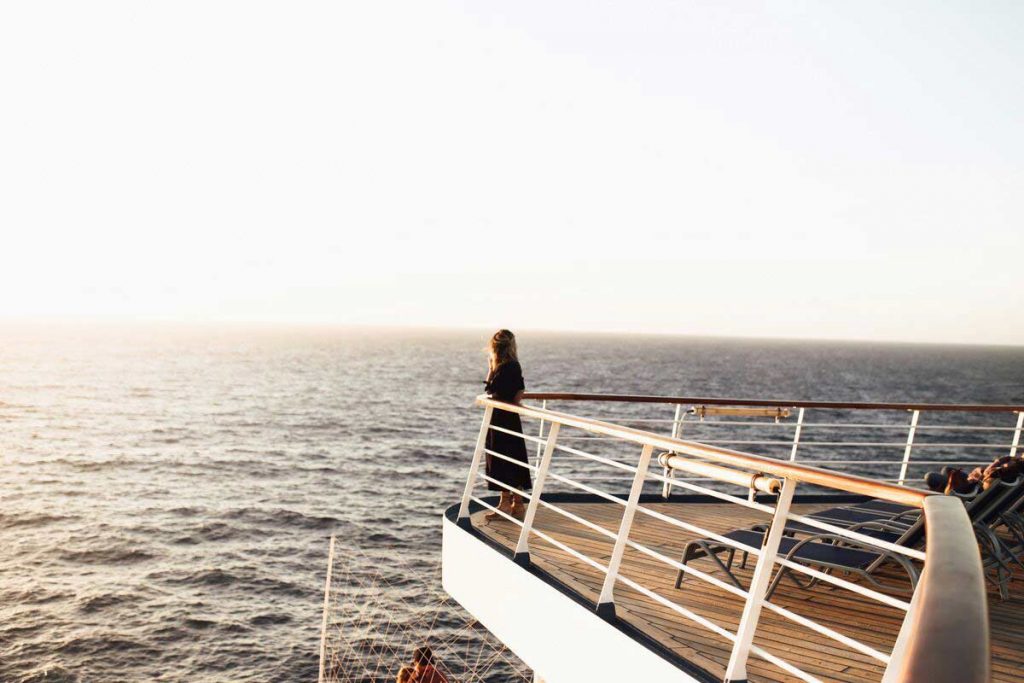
<point>169,491</point>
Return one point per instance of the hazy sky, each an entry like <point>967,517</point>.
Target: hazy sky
<point>813,169</point>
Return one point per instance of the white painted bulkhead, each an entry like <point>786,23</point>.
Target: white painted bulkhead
<point>560,639</point>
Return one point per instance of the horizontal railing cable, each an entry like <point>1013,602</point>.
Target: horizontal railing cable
<point>693,528</point>
<point>583,487</point>
<point>528,437</point>
<point>597,458</point>
<point>501,456</point>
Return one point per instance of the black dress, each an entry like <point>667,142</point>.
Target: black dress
<point>503,385</point>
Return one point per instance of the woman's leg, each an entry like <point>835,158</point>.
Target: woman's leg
<point>518,509</point>
<point>504,504</point>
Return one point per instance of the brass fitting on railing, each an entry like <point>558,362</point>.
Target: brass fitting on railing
<point>765,484</point>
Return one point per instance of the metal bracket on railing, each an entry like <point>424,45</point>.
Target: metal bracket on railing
<point>677,431</point>
<point>765,484</point>
<point>762,483</point>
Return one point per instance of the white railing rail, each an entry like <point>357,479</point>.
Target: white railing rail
<point>708,462</point>
<point>935,435</point>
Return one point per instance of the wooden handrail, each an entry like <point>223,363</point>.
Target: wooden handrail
<point>706,400</point>
<point>944,638</point>
<point>754,463</point>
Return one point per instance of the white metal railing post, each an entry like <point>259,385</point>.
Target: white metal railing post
<point>1016,434</point>
<point>737,669</point>
<point>474,467</point>
<point>910,446</point>
<point>606,601</point>
<point>522,554</point>
<point>677,421</point>
<point>540,429</point>
<point>796,434</point>
<point>668,472</point>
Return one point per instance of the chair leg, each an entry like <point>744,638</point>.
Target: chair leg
<point>1002,579</point>
<point>732,555</point>
<point>775,581</point>
<point>713,554</point>
<point>687,556</point>
<point>743,560</point>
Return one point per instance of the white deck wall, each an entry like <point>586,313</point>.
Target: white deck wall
<point>561,640</point>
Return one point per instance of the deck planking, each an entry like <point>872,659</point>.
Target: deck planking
<point>867,621</point>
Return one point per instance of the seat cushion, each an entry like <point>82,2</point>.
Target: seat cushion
<point>814,552</point>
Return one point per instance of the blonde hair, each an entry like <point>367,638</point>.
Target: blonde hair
<point>503,348</point>
<point>405,674</point>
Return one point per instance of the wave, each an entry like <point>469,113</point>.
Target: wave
<point>99,603</point>
<point>106,556</point>
<point>284,518</point>
<point>14,521</point>
<point>270,619</point>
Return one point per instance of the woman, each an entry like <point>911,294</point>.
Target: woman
<point>505,383</point>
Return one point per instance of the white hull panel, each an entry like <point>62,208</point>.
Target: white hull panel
<point>561,640</point>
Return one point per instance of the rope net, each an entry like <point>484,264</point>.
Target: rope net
<point>380,608</point>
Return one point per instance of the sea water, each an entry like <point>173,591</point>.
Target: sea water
<point>168,492</point>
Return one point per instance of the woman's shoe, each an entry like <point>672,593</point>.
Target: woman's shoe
<point>519,511</point>
<point>502,507</point>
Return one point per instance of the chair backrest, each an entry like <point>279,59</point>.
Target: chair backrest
<point>914,534</point>
<point>984,507</point>
<point>996,499</point>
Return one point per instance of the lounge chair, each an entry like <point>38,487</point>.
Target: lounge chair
<point>810,551</point>
<point>835,552</point>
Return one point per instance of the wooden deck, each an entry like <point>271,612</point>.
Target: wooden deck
<point>864,620</point>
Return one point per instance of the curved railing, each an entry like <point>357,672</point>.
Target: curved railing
<point>936,627</point>
<point>945,635</point>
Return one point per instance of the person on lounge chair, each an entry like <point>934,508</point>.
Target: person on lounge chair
<point>954,480</point>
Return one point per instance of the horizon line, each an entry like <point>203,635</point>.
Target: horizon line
<point>135,321</point>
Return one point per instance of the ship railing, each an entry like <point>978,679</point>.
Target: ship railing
<point>894,442</point>
<point>931,628</point>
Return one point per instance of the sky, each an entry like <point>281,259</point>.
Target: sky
<point>788,169</point>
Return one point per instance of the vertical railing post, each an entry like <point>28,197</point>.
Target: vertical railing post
<point>474,467</point>
<point>677,421</point>
<point>668,472</point>
<point>1016,434</point>
<point>606,601</point>
<point>737,669</point>
<point>910,446</point>
<point>540,430</point>
<point>522,554</point>
<point>796,434</point>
